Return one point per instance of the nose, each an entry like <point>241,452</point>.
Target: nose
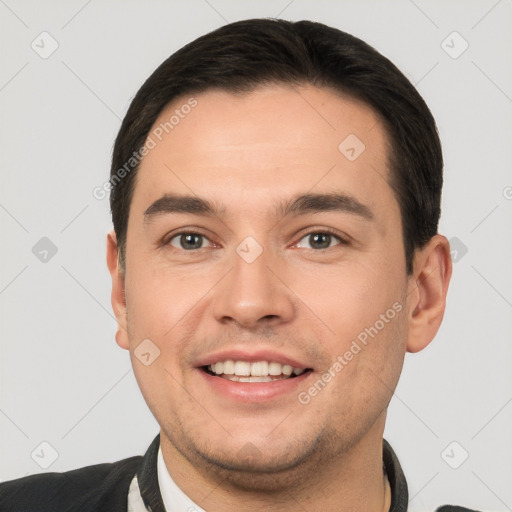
<point>254,294</point>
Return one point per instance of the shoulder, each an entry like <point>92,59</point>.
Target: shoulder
<point>98,487</point>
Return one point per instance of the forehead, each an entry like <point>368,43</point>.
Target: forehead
<point>272,142</point>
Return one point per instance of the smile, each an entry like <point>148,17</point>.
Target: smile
<point>259,371</point>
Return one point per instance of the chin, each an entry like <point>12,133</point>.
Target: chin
<point>260,473</point>
<point>278,465</point>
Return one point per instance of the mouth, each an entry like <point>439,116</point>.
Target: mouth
<point>253,372</point>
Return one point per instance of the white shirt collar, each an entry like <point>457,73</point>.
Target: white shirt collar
<point>174,498</point>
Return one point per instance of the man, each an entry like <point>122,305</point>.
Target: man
<point>275,194</point>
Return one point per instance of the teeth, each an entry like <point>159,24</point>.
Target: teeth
<point>274,369</point>
<point>287,369</point>
<point>260,371</point>
<point>255,379</point>
<point>229,367</point>
<point>242,368</point>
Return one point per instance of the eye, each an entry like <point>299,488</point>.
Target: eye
<point>319,240</point>
<point>188,241</point>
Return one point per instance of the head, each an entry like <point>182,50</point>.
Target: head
<point>279,204</point>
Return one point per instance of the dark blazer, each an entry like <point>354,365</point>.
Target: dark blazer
<point>104,487</point>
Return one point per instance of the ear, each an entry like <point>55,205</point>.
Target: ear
<point>118,292</point>
<point>427,292</point>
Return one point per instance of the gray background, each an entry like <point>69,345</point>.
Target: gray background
<point>65,381</point>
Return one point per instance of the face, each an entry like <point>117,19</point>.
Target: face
<point>263,240</point>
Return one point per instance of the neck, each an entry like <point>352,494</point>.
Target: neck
<point>352,481</point>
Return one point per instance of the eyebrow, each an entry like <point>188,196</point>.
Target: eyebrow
<point>298,205</point>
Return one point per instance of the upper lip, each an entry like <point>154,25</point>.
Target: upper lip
<point>251,356</point>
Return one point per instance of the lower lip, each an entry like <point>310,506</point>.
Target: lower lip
<point>254,391</point>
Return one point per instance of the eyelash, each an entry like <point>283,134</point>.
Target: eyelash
<point>167,241</point>
<point>323,231</point>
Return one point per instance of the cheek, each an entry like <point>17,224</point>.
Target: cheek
<point>346,300</point>
<point>162,390</point>
<point>364,329</point>
<point>363,375</point>
<point>166,307</point>
<point>157,299</point>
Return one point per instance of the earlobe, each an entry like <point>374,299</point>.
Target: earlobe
<point>430,280</point>
<point>118,298</point>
